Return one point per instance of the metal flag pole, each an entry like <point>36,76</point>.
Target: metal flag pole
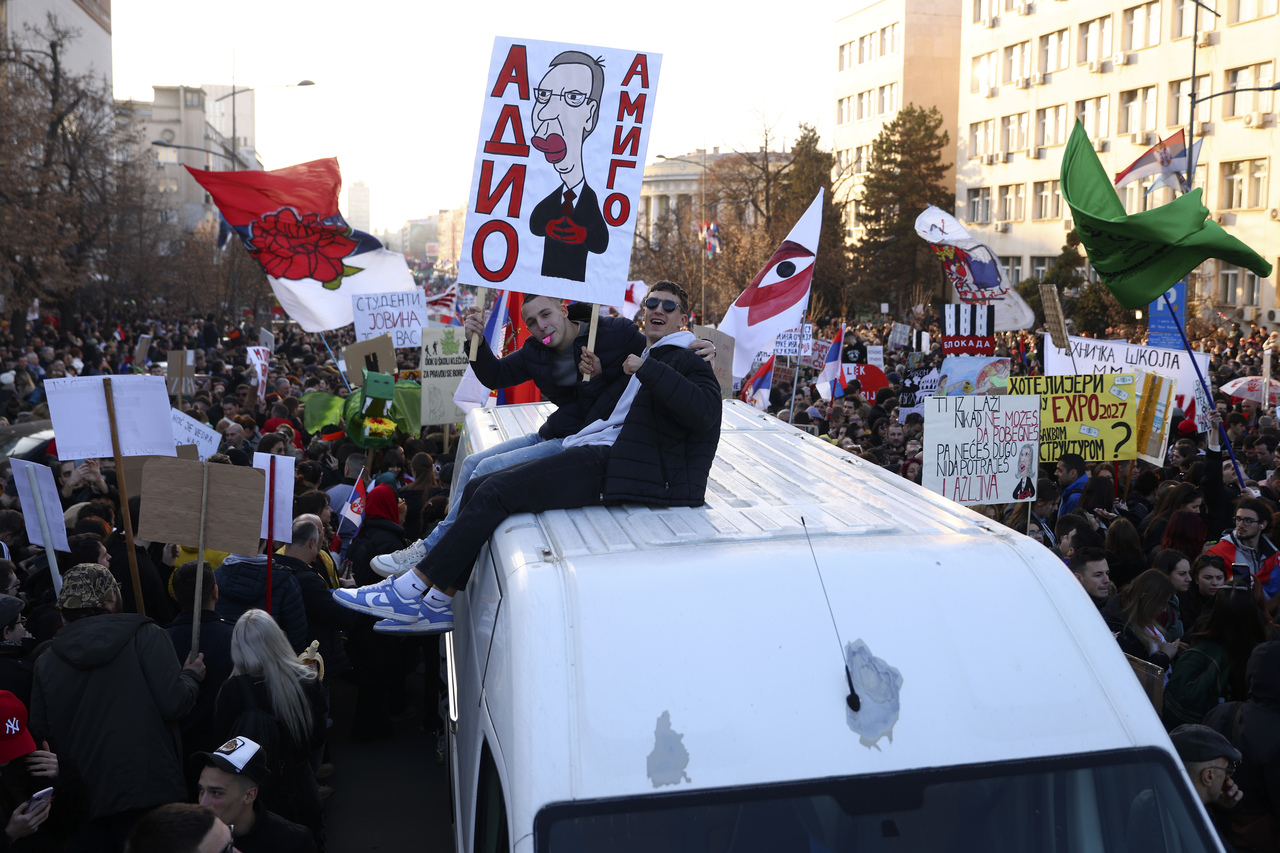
<point>1208,395</point>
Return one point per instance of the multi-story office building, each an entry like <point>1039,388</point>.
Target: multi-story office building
<point>1030,70</point>
<point>358,206</point>
<point>236,114</point>
<point>890,53</point>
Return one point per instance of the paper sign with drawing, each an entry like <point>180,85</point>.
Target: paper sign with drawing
<point>555,192</point>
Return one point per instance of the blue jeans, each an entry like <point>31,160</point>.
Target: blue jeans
<point>514,451</point>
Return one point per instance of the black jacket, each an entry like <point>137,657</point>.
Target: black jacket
<point>17,670</point>
<point>326,618</point>
<point>108,695</point>
<point>664,452</point>
<point>215,644</point>
<point>273,834</point>
<point>1254,728</point>
<point>569,260</point>
<point>242,585</point>
<point>376,536</point>
<point>615,340</point>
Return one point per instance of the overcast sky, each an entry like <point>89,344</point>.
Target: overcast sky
<point>400,82</point>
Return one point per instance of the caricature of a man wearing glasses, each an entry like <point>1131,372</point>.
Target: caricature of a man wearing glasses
<point>566,110</point>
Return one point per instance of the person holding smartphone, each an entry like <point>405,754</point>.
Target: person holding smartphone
<point>25,771</point>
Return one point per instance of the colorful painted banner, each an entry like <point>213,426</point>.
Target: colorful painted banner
<point>1094,416</point>
<point>982,449</point>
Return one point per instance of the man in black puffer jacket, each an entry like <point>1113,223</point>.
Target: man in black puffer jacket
<point>655,446</point>
<point>242,585</point>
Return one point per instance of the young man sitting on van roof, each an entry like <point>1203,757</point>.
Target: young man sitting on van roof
<point>555,358</point>
<point>655,446</point>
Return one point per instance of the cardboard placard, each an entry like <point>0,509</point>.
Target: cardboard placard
<point>48,495</point>
<point>981,449</point>
<point>259,361</point>
<point>723,364</point>
<point>376,354</point>
<point>170,509</point>
<point>180,372</point>
<point>400,314</point>
<point>793,342</point>
<point>188,430</point>
<point>140,351</point>
<point>443,361</point>
<point>283,494</point>
<point>78,408</point>
<point>134,465</point>
<point>1093,415</point>
<point>1155,404</point>
<point>963,375</point>
<point>266,339</point>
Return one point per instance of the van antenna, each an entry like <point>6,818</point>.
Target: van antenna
<point>852,699</point>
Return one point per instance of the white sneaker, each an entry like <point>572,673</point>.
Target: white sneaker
<point>396,564</point>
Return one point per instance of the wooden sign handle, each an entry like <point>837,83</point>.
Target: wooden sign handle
<point>198,609</point>
<point>475,339</point>
<point>124,498</point>
<point>591,335</point>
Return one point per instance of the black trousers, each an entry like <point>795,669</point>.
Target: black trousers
<point>568,479</point>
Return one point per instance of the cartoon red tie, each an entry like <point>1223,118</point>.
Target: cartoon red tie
<point>565,229</point>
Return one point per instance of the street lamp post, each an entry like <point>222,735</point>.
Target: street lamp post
<point>235,142</point>
<point>702,214</point>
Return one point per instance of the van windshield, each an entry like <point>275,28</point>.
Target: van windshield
<point>1126,802</point>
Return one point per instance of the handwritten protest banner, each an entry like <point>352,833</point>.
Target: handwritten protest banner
<point>555,190</point>
<point>400,314</point>
<point>1093,356</point>
<point>982,449</point>
<point>918,383</point>
<point>188,430</point>
<point>443,362</point>
<point>794,342</point>
<point>1094,416</point>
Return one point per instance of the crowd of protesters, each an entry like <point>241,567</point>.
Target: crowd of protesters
<point>118,718</point>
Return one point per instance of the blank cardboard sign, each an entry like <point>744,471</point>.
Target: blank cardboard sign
<point>723,365</point>
<point>377,354</point>
<point>171,504</point>
<point>133,466</point>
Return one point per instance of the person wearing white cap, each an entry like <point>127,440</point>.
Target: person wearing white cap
<point>229,784</point>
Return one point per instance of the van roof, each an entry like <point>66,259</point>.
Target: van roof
<point>642,650</point>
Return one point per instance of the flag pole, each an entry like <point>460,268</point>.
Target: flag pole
<point>795,384</point>
<point>335,362</point>
<point>1208,395</point>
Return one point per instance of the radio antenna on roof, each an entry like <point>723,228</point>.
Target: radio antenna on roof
<point>852,699</point>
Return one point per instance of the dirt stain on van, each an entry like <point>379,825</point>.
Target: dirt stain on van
<point>667,763</point>
<point>878,686</point>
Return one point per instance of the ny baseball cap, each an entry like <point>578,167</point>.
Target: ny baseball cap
<point>15,738</point>
<point>240,755</point>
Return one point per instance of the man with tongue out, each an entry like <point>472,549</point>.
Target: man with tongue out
<point>566,110</point>
<point>653,443</point>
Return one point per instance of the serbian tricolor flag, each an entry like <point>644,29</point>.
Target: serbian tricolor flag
<point>776,300</point>
<point>504,335</point>
<point>289,222</point>
<point>353,509</point>
<point>445,304</point>
<point>755,390</point>
<point>1167,155</point>
<point>831,377</point>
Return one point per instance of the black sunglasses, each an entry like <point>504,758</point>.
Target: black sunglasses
<point>668,305</point>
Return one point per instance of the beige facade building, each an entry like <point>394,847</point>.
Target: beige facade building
<point>673,185</point>
<point>1030,70</point>
<point>890,53</point>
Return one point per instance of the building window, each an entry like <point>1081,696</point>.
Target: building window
<point>168,185</point>
<point>982,73</point>
<point>846,56</point>
<point>1138,110</point>
<point>1244,184</point>
<point>1183,22</point>
<point>980,204</point>
<point>166,155</point>
<point>1012,265</point>
<point>843,115</point>
<point>1180,100</point>
<point>1251,10</point>
<point>1141,26</point>
<point>1250,76</point>
<point>985,10</point>
<point>1095,115</point>
<point>1138,195</point>
<point>864,105</point>
<point>981,140</point>
<point>1039,266</point>
<point>1095,40</point>
<point>1013,132</point>
<point>1238,286</point>
<point>1012,197</point>
<point>1017,61</point>
<point>866,48</point>
<point>1051,126</point>
<point>1047,203</point>
<point>889,40</point>
<point>888,98</point>
<point>1054,52</point>
<point>193,98</point>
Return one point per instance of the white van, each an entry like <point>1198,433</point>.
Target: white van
<point>643,679</point>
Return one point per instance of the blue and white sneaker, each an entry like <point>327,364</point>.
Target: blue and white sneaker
<point>430,621</point>
<point>381,600</point>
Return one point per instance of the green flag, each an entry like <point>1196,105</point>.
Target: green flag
<point>1141,256</point>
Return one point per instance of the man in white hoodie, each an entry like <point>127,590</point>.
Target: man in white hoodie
<point>656,447</point>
